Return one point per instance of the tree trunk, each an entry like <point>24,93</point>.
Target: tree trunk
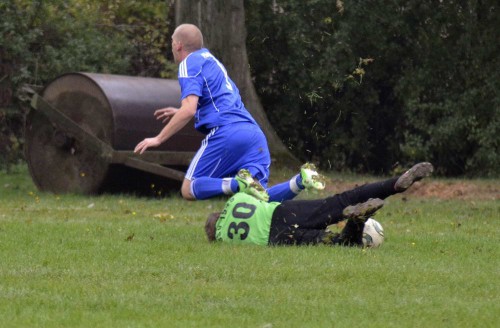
<point>222,23</point>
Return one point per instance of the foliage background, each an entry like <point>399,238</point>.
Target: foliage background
<point>430,93</point>
<point>355,85</point>
<point>40,40</point>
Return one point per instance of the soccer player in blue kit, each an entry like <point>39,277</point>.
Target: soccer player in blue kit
<point>234,151</point>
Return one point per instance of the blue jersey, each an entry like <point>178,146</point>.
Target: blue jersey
<point>219,104</point>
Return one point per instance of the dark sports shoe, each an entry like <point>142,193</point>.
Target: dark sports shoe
<point>362,211</point>
<point>417,172</point>
<point>248,185</point>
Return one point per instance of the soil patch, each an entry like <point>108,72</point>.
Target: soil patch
<point>464,190</point>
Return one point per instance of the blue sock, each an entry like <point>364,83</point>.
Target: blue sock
<point>235,187</point>
<point>285,190</point>
<point>204,188</point>
<point>298,180</point>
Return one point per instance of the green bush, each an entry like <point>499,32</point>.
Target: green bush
<point>450,92</point>
<point>323,83</point>
<point>429,94</point>
<point>41,40</point>
<point>354,85</point>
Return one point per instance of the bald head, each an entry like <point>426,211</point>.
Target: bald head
<point>189,36</point>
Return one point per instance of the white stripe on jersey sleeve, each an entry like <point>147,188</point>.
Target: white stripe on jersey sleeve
<point>182,69</point>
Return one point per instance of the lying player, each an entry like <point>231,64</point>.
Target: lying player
<point>248,220</point>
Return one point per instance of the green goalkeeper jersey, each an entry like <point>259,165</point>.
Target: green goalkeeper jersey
<point>245,220</point>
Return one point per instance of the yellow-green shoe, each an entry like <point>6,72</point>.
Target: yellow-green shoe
<point>249,185</point>
<point>311,179</point>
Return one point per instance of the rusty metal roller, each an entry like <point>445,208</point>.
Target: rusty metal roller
<point>84,125</point>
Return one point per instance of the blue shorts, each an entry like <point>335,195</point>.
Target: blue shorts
<point>229,148</point>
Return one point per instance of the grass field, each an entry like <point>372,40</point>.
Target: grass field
<point>123,261</point>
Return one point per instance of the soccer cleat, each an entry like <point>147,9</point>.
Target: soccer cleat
<point>417,172</point>
<point>311,179</point>
<point>248,185</point>
<point>362,211</point>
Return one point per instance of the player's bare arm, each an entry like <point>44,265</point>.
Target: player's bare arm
<point>179,119</point>
<point>165,114</point>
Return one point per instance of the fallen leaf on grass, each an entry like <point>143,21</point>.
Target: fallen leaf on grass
<point>162,217</point>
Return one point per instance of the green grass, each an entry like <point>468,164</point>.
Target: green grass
<point>122,261</point>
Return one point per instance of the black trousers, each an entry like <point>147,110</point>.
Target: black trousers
<point>302,222</point>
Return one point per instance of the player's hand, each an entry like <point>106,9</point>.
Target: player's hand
<point>145,144</point>
<point>165,114</point>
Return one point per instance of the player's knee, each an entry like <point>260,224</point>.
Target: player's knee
<point>186,190</point>
<point>187,195</point>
